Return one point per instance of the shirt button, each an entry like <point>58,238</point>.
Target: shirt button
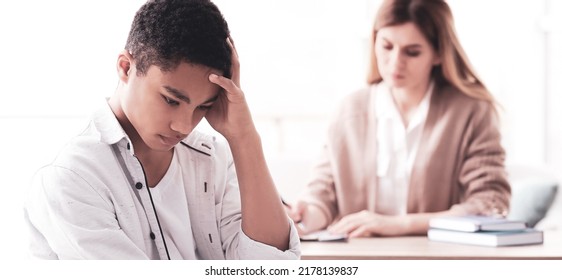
<point>138,185</point>
<point>152,236</point>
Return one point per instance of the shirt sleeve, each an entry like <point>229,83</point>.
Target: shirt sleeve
<point>70,219</point>
<point>483,172</point>
<point>236,244</point>
<point>249,249</point>
<point>320,191</point>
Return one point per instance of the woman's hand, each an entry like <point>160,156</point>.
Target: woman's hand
<point>295,211</point>
<point>230,114</point>
<point>366,224</point>
<point>307,218</point>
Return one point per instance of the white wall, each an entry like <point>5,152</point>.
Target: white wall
<point>299,58</point>
<point>552,25</point>
<point>508,53</point>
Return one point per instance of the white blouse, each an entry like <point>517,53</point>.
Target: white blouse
<point>397,147</point>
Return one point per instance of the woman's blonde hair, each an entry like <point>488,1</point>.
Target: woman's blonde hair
<point>435,21</point>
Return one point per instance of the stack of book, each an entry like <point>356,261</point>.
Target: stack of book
<point>482,230</point>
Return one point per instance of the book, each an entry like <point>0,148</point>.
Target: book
<point>324,236</point>
<point>476,223</point>
<point>487,238</point>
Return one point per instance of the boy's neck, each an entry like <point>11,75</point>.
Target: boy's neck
<point>155,163</point>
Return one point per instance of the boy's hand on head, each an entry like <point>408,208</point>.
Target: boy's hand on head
<point>230,115</point>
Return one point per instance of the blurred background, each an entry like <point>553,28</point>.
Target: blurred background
<point>299,59</point>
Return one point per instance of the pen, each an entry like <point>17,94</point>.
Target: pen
<point>286,204</point>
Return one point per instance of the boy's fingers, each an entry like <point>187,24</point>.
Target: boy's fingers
<point>223,82</point>
<point>235,62</point>
<point>231,44</point>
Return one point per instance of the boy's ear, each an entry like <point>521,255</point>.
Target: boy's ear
<point>124,65</point>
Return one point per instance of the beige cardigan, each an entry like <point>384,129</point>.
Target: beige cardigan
<point>460,162</point>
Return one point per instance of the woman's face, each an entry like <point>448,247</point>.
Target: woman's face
<point>404,56</point>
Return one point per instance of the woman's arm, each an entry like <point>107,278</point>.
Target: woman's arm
<point>482,175</point>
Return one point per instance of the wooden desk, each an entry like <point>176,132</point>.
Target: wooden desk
<point>419,247</point>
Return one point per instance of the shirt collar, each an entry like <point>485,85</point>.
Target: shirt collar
<point>108,126</point>
<point>421,112</point>
<point>111,132</point>
<point>386,107</point>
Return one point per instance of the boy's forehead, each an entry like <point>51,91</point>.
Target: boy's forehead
<point>188,81</point>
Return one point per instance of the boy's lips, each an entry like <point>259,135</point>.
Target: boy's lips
<point>172,141</point>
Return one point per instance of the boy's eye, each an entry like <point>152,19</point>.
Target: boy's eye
<point>170,101</point>
<point>387,47</point>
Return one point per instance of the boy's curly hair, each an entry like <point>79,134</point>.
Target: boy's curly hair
<point>165,33</point>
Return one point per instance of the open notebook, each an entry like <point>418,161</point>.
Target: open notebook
<point>324,236</point>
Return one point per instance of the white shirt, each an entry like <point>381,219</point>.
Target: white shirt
<point>170,201</point>
<point>92,202</point>
<point>396,150</point>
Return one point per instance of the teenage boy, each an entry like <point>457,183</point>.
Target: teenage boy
<point>139,182</point>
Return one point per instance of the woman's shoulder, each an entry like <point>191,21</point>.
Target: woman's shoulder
<point>456,100</point>
<point>357,102</point>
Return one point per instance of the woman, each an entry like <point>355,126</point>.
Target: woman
<point>420,141</point>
